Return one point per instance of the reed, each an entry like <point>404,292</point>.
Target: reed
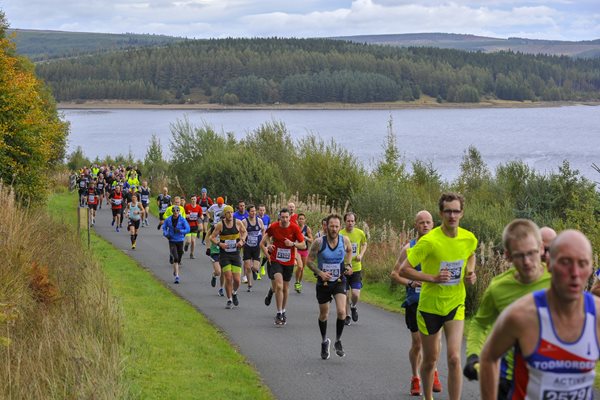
<point>60,330</point>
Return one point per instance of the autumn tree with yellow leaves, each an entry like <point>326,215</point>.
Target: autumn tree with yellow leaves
<point>32,136</point>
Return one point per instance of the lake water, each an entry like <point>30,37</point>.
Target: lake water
<point>541,137</point>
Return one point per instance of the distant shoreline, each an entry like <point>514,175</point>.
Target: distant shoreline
<point>423,103</point>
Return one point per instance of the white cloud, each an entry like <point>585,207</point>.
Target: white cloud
<point>553,19</point>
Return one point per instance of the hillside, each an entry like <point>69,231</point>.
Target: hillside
<point>258,71</point>
<point>582,49</point>
<point>43,45</point>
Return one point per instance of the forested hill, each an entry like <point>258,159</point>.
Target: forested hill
<point>581,49</point>
<point>317,70</point>
<point>42,45</point>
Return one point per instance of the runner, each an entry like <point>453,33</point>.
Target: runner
<point>308,237</point>
<point>323,231</point>
<point>92,201</point>
<point>329,259</point>
<point>447,258</point>
<point>174,229</point>
<point>293,215</point>
<point>230,235</point>
<point>100,189</point>
<point>116,201</point>
<point>423,224</point>
<point>163,201</point>
<point>241,214</point>
<point>548,235</point>
<point>262,214</point>
<point>145,200</point>
<point>213,253</point>
<point>134,211</point>
<point>215,211</point>
<point>359,248</point>
<point>280,242</point>
<point>523,247</point>
<point>205,202</point>
<point>554,331</point>
<point>82,184</point>
<point>194,217</point>
<point>251,250</point>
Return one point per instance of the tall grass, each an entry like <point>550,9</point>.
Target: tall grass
<point>60,330</point>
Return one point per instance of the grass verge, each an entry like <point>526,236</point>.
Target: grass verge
<point>172,351</point>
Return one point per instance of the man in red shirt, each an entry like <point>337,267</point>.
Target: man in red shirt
<point>280,243</point>
<point>193,215</point>
<point>205,202</point>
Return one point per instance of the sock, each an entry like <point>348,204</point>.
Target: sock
<point>339,328</point>
<point>352,305</point>
<point>203,236</point>
<point>132,239</point>
<point>264,260</point>
<point>283,311</point>
<point>279,311</point>
<point>235,292</point>
<point>135,238</point>
<point>323,329</point>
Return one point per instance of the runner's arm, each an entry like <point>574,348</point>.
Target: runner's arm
<point>406,270</point>
<point>363,250</point>
<point>470,276</point>
<point>265,243</point>
<point>395,274</point>
<point>243,232</point>
<point>312,259</point>
<point>347,256</point>
<point>504,336</point>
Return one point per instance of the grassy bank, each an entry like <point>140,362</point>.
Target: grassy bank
<point>171,350</point>
<point>60,329</point>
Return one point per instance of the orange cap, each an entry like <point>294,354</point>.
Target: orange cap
<point>220,200</point>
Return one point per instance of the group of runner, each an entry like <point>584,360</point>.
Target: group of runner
<point>535,332</point>
<point>535,318</point>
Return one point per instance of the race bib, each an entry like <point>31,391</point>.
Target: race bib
<point>283,255</point>
<point>418,289</point>
<point>567,387</point>
<point>252,241</point>
<point>117,202</point>
<point>91,198</point>
<point>82,184</point>
<point>145,198</point>
<point>193,216</point>
<point>231,245</point>
<point>163,207</point>
<point>333,269</point>
<point>354,249</point>
<point>204,209</point>
<point>455,268</point>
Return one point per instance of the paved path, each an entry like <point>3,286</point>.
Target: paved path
<point>288,359</point>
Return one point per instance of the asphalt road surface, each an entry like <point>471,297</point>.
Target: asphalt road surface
<point>288,359</point>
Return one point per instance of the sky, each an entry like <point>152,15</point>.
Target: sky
<point>535,19</point>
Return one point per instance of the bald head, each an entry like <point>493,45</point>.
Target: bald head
<point>548,235</point>
<point>292,207</point>
<point>423,222</point>
<point>571,239</point>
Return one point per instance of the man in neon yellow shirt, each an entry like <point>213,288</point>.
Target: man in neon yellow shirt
<point>358,239</point>
<point>523,247</point>
<point>447,258</point>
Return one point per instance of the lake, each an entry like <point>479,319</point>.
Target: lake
<point>541,137</point>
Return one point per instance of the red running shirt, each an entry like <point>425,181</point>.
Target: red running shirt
<point>283,254</point>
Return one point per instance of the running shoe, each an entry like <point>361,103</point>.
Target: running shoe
<point>415,386</point>
<point>262,270</point>
<point>339,350</point>
<point>158,227</point>
<point>325,349</point>
<point>171,260</point>
<point>192,256</point>
<point>117,229</point>
<point>249,288</point>
<point>258,278</point>
<point>186,247</point>
<point>112,223</point>
<point>244,279</point>
<point>269,297</point>
<point>284,318</point>
<point>236,302</point>
<point>203,243</point>
<point>221,292</point>
<point>229,305</point>
<point>279,320</point>
<point>133,246</point>
<point>213,281</point>
<point>437,385</point>
<point>354,312</point>
<point>348,320</point>
<point>298,287</point>
<point>177,279</point>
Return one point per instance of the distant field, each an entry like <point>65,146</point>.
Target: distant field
<point>43,45</point>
